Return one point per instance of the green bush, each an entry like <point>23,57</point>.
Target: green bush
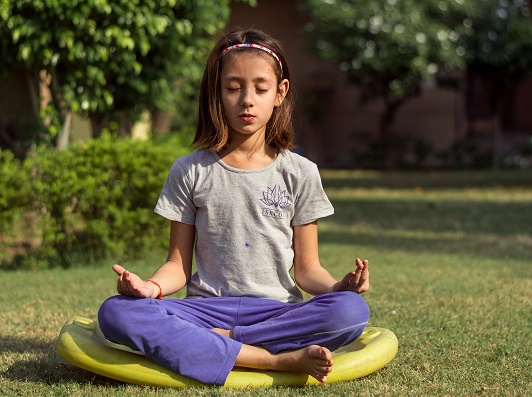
<point>15,196</point>
<point>13,183</point>
<point>96,200</point>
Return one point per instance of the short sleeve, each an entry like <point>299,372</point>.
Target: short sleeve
<point>312,202</point>
<point>176,199</point>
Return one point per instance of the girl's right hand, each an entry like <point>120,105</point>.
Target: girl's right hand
<point>129,284</point>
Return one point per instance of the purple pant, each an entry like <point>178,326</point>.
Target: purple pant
<point>176,332</point>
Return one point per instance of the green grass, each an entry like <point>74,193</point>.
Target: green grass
<point>451,265</point>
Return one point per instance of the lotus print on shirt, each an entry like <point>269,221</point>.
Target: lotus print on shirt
<point>276,198</point>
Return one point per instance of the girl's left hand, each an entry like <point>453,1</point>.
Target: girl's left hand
<point>357,280</point>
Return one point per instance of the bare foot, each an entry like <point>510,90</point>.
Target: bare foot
<point>314,360</point>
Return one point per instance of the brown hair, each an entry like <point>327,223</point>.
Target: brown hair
<point>212,130</point>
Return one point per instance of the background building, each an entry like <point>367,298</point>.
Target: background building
<point>333,127</point>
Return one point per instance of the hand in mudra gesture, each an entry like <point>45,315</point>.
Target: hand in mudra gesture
<point>129,284</point>
<point>356,280</point>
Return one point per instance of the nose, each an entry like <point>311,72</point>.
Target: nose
<point>246,99</point>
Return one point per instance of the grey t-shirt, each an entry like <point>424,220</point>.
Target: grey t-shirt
<point>243,221</point>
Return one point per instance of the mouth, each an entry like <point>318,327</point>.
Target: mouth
<point>247,118</point>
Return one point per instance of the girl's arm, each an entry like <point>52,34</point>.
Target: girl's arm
<point>172,276</point>
<point>312,277</point>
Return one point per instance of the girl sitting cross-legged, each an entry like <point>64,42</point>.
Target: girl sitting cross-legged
<point>248,208</point>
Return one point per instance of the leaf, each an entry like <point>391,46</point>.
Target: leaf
<point>25,52</point>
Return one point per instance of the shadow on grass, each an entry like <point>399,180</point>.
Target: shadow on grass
<point>460,245</point>
<point>44,365</point>
<point>485,228</point>
<point>494,218</point>
<point>427,180</point>
<point>15,345</point>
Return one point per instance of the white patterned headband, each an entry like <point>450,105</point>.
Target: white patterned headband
<point>260,47</point>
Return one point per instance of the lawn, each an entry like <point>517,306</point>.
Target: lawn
<point>451,265</point>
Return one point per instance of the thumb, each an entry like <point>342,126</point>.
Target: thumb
<point>118,269</point>
<point>347,278</point>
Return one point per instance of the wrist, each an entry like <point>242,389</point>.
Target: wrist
<point>158,291</point>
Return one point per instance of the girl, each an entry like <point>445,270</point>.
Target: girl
<point>249,207</point>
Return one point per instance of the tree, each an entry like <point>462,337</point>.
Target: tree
<point>499,53</point>
<point>111,59</point>
<point>388,48</point>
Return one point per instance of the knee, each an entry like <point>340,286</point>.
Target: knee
<point>347,309</point>
<point>114,313</point>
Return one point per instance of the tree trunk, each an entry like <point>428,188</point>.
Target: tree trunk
<point>63,139</point>
<point>34,90</point>
<point>62,107</point>
<point>98,123</point>
<point>384,138</point>
<point>161,122</point>
<point>124,124</point>
<point>497,132</point>
<point>385,123</point>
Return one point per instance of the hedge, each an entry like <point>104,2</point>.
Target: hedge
<point>15,195</point>
<point>92,201</point>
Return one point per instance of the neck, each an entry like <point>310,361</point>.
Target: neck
<point>247,152</point>
<point>254,143</point>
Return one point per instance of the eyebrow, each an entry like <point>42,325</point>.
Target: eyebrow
<point>255,80</point>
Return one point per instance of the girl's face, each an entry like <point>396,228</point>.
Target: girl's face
<point>250,92</point>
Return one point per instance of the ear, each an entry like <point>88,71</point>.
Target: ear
<point>284,86</point>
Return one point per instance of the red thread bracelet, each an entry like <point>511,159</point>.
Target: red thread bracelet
<point>160,295</point>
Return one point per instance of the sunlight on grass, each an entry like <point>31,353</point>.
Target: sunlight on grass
<point>450,261</point>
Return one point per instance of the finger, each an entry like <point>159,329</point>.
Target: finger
<point>125,283</point>
<point>363,284</point>
<point>119,287</point>
<point>347,281</point>
<point>364,277</point>
<point>130,279</point>
<point>356,275</point>
<point>134,285</point>
<point>363,265</point>
<point>118,269</point>
<point>129,283</point>
<point>365,269</point>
